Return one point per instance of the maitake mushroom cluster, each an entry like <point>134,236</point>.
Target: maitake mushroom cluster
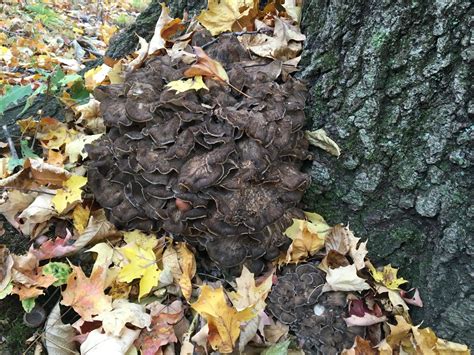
<point>216,167</point>
<point>315,317</point>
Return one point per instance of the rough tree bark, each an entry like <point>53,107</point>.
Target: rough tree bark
<point>389,82</point>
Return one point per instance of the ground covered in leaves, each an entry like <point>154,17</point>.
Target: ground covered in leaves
<point>86,286</point>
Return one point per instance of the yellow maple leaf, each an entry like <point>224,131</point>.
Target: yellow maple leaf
<point>248,293</point>
<point>308,237</point>
<point>387,277</point>
<point>142,265</point>
<point>141,239</point>
<point>223,320</point>
<point>96,76</point>
<point>80,217</point>
<point>406,338</point>
<point>69,194</point>
<point>195,83</point>
<point>221,15</point>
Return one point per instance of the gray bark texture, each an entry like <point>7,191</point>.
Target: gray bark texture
<point>389,81</point>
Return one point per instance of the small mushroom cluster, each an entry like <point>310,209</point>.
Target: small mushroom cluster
<point>214,166</point>
<point>315,317</point>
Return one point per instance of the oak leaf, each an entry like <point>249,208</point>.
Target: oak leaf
<point>223,320</point>
<point>86,295</point>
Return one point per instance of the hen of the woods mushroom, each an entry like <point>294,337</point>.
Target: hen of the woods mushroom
<point>219,167</point>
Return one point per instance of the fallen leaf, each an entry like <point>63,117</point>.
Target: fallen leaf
<point>59,270</point>
<point>195,83</point>
<point>221,15</point>
<point>54,249</point>
<point>80,217</point>
<point>415,300</point>
<point>69,194</point>
<point>293,8</point>
<point>86,295</point>
<point>123,312</point>
<point>98,343</point>
<point>6,264</point>
<point>141,55</point>
<point>182,264</point>
<point>344,278</point>
<point>248,294</point>
<point>207,67</point>
<point>142,265</point>
<point>96,76</point>
<point>308,238</point>
<point>141,239</point>
<point>151,341</point>
<point>364,321</point>
<point>285,44</point>
<point>39,211</point>
<point>278,348</point>
<point>12,202</point>
<point>319,139</point>
<point>75,148</point>
<point>341,239</point>
<point>360,347</point>
<point>98,228</point>
<point>58,337</point>
<point>223,321</point>
<point>157,42</point>
<point>387,277</point>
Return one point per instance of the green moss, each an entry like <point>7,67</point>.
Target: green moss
<point>12,327</point>
<point>378,39</point>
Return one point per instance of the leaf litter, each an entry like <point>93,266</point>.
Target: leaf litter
<point>145,292</point>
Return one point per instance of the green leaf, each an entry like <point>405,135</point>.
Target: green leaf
<point>32,97</point>
<point>59,270</point>
<point>13,163</point>
<point>69,79</point>
<point>56,78</point>
<point>79,92</point>
<point>13,95</point>
<point>26,151</point>
<point>278,349</point>
<point>28,304</point>
<point>6,291</point>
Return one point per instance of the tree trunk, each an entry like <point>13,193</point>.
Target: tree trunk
<point>389,82</point>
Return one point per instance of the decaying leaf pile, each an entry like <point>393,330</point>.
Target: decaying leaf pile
<point>194,142</point>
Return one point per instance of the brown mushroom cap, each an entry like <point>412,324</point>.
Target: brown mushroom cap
<point>216,167</point>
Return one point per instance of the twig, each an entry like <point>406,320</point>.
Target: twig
<point>10,142</point>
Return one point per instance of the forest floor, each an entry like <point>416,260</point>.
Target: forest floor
<point>133,291</point>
